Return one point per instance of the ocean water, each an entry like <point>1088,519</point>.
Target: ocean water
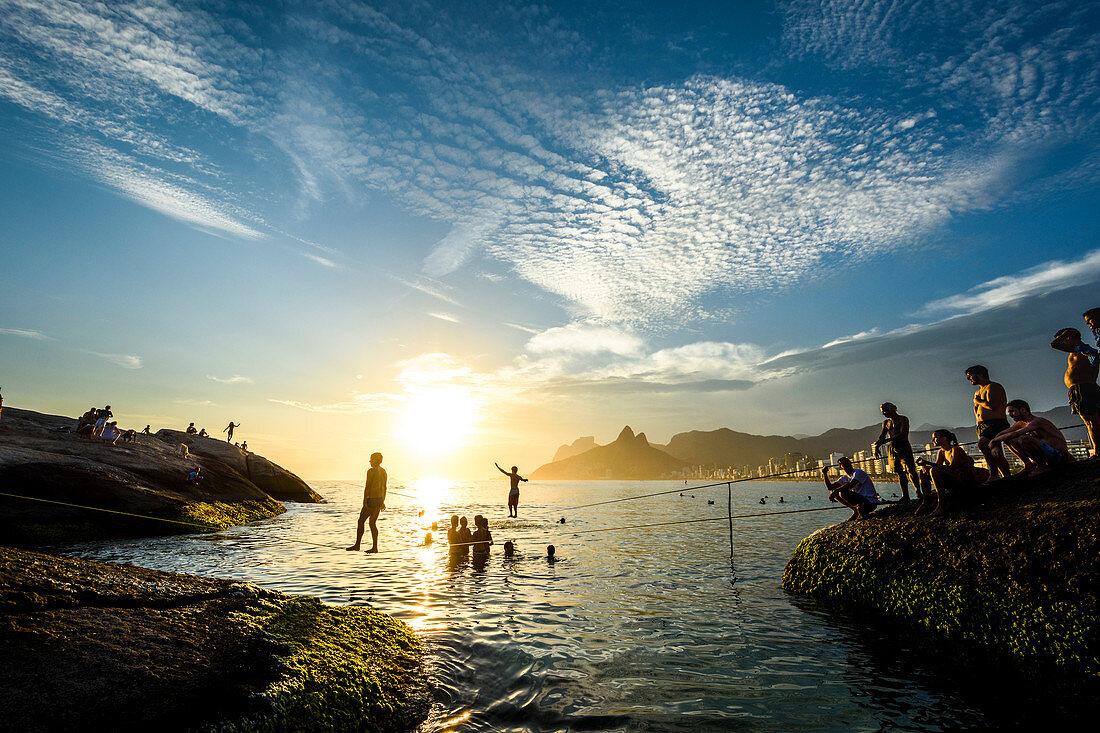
<point>650,628</point>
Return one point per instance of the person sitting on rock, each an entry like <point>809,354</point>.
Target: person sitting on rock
<point>1036,440</point>
<point>195,476</point>
<point>854,489</point>
<point>203,433</point>
<point>130,436</point>
<point>244,446</point>
<point>191,429</point>
<point>953,472</point>
<point>88,418</point>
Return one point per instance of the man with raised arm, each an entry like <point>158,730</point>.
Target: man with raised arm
<point>990,401</point>
<point>1036,440</point>
<point>513,492</point>
<point>374,501</point>
<point>899,451</point>
<point>854,489</point>
<point>1081,371</point>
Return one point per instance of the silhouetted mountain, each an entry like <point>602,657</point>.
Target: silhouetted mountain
<point>629,457</point>
<point>725,447</point>
<point>578,446</point>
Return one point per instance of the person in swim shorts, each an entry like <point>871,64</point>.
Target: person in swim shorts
<point>1036,440</point>
<point>1080,379</point>
<point>989,412</point>
<point>374,501</point>
<point>513,492</point>
<point>895,436</point>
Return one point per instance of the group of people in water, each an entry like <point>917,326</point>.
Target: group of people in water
<point>1036,441</point>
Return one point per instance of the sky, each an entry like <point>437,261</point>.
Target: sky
<point>461,233</point>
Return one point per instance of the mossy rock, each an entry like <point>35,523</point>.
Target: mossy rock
<point>1015,571</point>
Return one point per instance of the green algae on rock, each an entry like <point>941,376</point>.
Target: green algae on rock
<point>97,646</point>
<point>1016,572</point>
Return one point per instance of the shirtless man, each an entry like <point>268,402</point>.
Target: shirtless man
<point>513,493</point>
<point>1084,394</point>
<point>1036,440</point>
<point>374,501</point>
<point>895,435</point>
<point>989,411</point>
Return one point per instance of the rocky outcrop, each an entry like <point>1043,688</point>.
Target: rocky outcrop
<point>1015,571</point>
<point>40,459</point>
<point>96,646</point>
<point>629,457</point>
<point>272,479</point>
<point>578,446</point>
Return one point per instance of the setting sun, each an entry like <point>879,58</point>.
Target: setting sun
<point>438,421</point>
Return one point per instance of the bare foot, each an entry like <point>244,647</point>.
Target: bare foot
<point>353,548</point>
<point>1026,470</point>
<point>373,549</point>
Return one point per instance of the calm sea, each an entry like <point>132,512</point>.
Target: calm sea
<point>655,628</point>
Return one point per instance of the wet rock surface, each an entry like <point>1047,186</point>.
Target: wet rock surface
<point>97,646</point>
<point>1016,570</point>
<point>41,459</point>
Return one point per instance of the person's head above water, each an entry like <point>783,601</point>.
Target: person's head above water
<point>550,551</point>
<point>375,458</point>
<point>509,548</point>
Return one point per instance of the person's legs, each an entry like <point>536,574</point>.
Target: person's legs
<point>359,529</point>
<point>944,482</point>
<point>1092,424</point>
<point>907,472</point>
<point>1026,449</point>
<point>998,466</point>
<point>374,529</point>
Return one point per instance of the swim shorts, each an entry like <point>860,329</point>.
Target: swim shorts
<point>1052,454</point>
<point>372,502</point>
<point>900,454</point>
<point>988,429</point>
<point>1084,399</point>
<point>513,497</point>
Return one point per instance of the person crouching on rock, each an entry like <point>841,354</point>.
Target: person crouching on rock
<point>1036,440</point>
<point>195,476</point>
<point>953,472</point>
<point>854,489</point>
<point>374,501</point>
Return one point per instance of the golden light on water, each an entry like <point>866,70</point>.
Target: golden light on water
<point>430,491</point>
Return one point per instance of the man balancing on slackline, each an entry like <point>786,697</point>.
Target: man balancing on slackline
<point>513,492</point>
<point>374,501</point>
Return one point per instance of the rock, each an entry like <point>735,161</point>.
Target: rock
<point>629,457</point>
<point>147,479</point>
<point>1016,572</point>
<point>97,646</point>
<point>272,479</point>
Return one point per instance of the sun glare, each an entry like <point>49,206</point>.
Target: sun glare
<point>430,491</point>
<point>438,421</point>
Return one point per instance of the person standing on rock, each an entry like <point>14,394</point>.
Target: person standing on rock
<point>374,501</point>
<point>229,429</point>
<point>990,405</point>
<point>899,451</point>
<point>1081,372</point>
<point>101,421</point>
<point>147,430</point>
<point>513,492</point>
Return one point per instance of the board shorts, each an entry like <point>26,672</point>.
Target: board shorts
<point>988,429</point>
<point>371,504</point>
<point>513,498</point>
<point>1052,454</point>
<point>1084,399</point>
<point>900,456</point>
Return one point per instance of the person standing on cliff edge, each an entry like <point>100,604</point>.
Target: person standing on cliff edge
<point>374,501</point>
<point>513,492</point>
<point>229,429</point>
<point>899,451</point>
<point>990,404</point>
<point>1081,372</point>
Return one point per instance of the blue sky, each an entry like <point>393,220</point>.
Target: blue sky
<point>347,225</point>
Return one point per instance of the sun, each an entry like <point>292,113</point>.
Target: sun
<point>438,420</point>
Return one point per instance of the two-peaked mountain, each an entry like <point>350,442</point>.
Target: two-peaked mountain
<point>629,457</point>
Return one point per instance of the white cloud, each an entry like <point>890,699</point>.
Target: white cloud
<point>360,402</point>
<point>584,338</point>
<point>1044,278</point>
<point>26,333</point>
<point>235,379</point>
<point>126,361</point>
<point>444,317</point>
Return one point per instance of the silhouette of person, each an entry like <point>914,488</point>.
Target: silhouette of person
<point>229,429</point>
<point>513,492</point>
<point>374,501</point>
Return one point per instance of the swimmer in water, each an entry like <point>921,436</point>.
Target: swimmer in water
<point>762,500</point>
<point>550,554</point>
<point>481,537</point>
<point>781,500</point>
<point>509,549</point>
<point>452,533</point>
<point>464,534</point>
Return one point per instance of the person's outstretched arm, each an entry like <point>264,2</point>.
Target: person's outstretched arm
<point>501,469</point>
